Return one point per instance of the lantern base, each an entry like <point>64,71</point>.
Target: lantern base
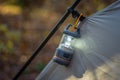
<point>63,57</point>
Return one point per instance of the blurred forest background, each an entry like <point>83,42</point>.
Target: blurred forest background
<point>25,23</point>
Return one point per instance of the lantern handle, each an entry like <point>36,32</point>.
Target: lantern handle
<point>75,34</point>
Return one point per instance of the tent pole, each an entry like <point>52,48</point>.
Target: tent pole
<point>55,28</point>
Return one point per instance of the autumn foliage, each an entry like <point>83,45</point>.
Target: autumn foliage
<point>23,26</point>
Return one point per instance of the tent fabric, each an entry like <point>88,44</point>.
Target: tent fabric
<point>97,52</point>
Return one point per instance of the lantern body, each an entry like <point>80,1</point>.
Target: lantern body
<point>64,52</point>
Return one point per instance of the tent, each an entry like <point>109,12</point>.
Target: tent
<point>97,52</point>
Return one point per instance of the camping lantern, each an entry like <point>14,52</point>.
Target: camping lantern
<point>64,52</point>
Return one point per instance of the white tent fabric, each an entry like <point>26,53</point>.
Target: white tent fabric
<point>97,52</point>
